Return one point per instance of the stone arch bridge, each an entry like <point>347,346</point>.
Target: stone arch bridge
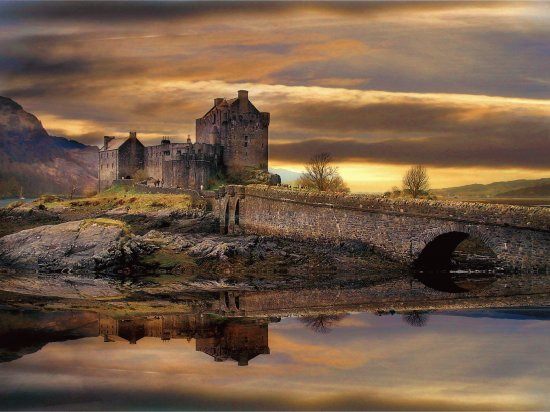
<point>404,229</point>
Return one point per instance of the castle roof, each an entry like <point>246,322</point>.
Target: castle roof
<point>233,104</point>
<point>115,143</point>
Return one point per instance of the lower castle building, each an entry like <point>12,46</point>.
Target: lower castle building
<point>233,134</point>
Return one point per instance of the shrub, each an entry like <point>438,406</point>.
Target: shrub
<point>90,192</point>
<point>47,198</point>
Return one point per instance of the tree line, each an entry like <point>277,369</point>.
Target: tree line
<point>322,175</point>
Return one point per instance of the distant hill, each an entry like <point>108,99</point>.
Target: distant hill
<point>542,190</point>
<point>514,188</point>
<point>287,176</point>
<point>38,163</point>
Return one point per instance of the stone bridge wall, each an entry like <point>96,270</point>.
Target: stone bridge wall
<point>400,228</point>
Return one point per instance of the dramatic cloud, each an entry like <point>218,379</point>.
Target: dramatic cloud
<point>88,69</point>
<point>443,134</point>
<point>153,10</point>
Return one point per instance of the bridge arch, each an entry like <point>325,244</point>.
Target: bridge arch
<point>434,249</point>
<point>225,219</point>
<point>237,213</point>
<point>230,215</point>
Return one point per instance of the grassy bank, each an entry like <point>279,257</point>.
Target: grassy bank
<point>123,198</point>
<point>53,209</point>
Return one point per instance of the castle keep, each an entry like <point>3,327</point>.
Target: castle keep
<point>232,135</point>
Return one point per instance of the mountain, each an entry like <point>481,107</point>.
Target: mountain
<point>38,163</point>
<point>287,176</point>
<point>513,189</point>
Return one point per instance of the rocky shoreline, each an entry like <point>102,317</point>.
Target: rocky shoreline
<point>169,250</point>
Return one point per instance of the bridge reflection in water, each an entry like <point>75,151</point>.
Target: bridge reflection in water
<point>232,325</point>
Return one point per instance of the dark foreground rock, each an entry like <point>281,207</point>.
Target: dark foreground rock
<point>72,246</point>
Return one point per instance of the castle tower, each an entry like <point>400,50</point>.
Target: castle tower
<point>240,128</point>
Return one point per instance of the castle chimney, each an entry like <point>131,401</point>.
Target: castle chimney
<point>243,101</point>
<point>133,135</point>
<point>106,140</point>
<point>218,101</point>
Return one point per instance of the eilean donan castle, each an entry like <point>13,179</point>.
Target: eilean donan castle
<point>232,135</point>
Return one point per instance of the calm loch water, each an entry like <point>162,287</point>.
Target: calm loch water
<point>474,359</point>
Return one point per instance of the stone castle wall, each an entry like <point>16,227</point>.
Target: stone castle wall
<point>121,162</point>
<point>130,158</point>
<point>108,168</point>
<point>183,165</point>
<point>240,128</point>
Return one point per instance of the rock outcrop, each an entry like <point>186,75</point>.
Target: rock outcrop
<point>73,246</point>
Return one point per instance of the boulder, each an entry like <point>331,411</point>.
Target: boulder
<point>72,246</point>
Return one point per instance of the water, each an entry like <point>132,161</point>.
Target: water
<point>473,359</point>
<point>439,341</point>
<point>6,202</point>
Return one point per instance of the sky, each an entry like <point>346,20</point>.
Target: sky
<point>461,87</point>
<point>365,362</point>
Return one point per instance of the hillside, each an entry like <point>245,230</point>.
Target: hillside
<point>38,163</point>
<point>513,188</point>
<point>542,190</point>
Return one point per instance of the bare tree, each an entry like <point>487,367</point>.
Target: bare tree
<point>416,181</point>
<point>73,191</point>
<point>322,323</point>
<point>320,174</point>
<point>416,318</point>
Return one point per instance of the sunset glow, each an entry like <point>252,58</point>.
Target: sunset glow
<point>461,87</point>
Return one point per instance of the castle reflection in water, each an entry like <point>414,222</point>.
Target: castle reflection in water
<point>233,324</point>
<point>239,339</point>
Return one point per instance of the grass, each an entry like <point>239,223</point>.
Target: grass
<point>168,259</point>
<point>103,221</point>
<point>120,198</point>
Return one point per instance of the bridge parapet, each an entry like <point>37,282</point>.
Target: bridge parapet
<point>536,218</point>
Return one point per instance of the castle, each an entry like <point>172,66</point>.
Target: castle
<point>232,135</point>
